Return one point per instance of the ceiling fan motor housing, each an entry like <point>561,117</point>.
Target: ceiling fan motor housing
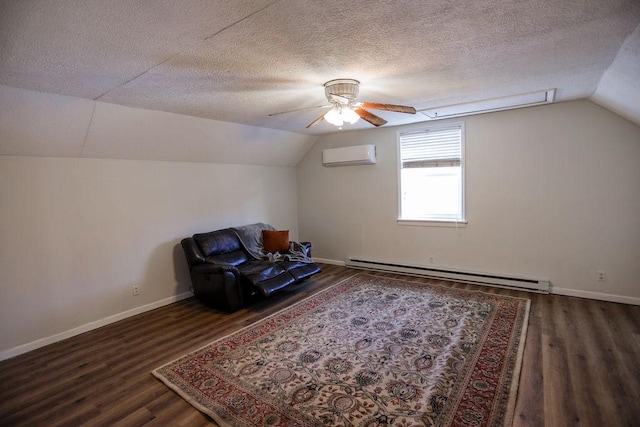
<point>346,88</point>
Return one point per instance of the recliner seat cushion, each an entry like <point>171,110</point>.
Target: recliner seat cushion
<point>269,286</point>
<point>258,271</point>
<point>266,276</point>
<point>291,265</point>
<point>232,258</point>
<point>299,270</point>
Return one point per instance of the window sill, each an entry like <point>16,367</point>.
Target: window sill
<point>433,223</point>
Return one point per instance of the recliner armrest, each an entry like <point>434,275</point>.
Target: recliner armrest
<point>192,252</point>
<point>218,285</point>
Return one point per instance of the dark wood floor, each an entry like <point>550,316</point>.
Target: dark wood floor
<point>581,364</point>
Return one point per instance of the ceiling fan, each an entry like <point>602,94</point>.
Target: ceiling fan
<point>341,94</point>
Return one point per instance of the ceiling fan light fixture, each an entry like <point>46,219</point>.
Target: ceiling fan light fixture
<point>334,117</point>
<point>344,88</point>
<point>338,115</point>
<point>350,116</point>
<point>343,107</point>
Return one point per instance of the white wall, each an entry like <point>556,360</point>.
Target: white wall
<point>551,191</point>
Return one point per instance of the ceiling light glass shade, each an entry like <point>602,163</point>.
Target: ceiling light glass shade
<point>338,115</point>
<point>334,117</point>
<point>349,115</point>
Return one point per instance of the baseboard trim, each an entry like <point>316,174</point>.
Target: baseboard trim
<point>329,261</point>
<point>595,295</point>
<point>42,342</point>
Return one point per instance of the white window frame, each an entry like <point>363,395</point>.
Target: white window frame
<point>434,221</point>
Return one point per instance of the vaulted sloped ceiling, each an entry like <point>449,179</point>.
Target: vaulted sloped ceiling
<point>239,61</point>
<point>619,87</point>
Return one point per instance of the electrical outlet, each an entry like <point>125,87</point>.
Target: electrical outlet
<point>136,290</point>
<point>602,276</point>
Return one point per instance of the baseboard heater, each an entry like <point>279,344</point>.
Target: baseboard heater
<point>478,278</point>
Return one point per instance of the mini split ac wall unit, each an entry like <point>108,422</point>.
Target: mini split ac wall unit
<point>347,156</point>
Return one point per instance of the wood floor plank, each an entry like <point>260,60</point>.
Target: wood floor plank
<point>580,364</point>
<point>559,399</point>
<point>529,410</point>
<point>615,392</point>
<point>583,359</point>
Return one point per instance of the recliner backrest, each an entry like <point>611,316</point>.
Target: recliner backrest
<point>217,242</point>
<point>221,247</point>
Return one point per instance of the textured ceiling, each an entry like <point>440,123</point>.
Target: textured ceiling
<point>238,61</point>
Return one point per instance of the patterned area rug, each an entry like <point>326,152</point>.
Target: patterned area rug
<point>369,351</point>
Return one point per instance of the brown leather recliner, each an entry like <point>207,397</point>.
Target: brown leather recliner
<point>225,275</point>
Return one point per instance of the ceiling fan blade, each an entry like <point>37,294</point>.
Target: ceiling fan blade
<point>370,117</point>
<point>300,109</point>
<point>389,107</point>
<point>317,121</point>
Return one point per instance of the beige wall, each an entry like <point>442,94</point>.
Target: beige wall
<point>78,234</point>
<point>551,191</point>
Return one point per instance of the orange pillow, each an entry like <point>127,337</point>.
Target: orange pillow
<point>275,241</point>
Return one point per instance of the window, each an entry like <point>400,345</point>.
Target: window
<point>432,173</point>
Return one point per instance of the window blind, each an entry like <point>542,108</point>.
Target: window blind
<point>431,148</point>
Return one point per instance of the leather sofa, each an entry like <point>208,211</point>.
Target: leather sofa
<point>225,275</point>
